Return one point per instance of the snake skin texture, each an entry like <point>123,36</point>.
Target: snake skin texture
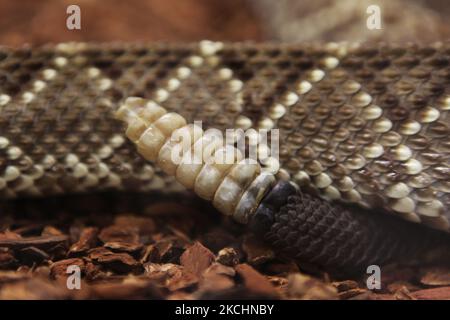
<point>360,124</point>
<point>342,239</point>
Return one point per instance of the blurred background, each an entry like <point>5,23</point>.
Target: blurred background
<point>44,21</point>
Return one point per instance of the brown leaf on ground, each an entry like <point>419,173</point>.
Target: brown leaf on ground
<point>171,276</point>
<point>280,283</point>
<point>12,276</point>
<point>436,277</point>
<point>144,225</point>
<point>403,294</point>
<point>351,293</point>
<point>129,288</point>
<point>345,285</point>
<point>33,289</point>
<point>197,258</point>
<point>119,262</point>
<point>38,242</point>
<point>7,258</point>
<point>59,268</point>
<point>170,249</point>
<point>181,279</point>
<point>221,269</point>
<point>92,271</point>
<point>442,293</point>
<point>119,233</point>
<point>31,255</point>
<point>305,287</point>
<point>87,240</point>
<point>348,289</point>
<point>9,235</point>
<point>228,256</point>
<point>119,246</point>
<point>151,254</point>
<point>96,253</point>
<point>149,258</point>
<point>216,278</point>
<point>255,281</point>
<point>395,286</point>
<point>51,231</point>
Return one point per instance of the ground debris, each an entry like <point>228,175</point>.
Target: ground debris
<point>197,258</point>
<point>228,256</point>
<point>171,255</point>
<point>38,242</point>
<point>348,289</point>
<point>255,281</point>
<point>437,276</point>
<point>119,233</point>
<point>87,240</point>
<point>441,293</point>
<point>59,268</point>
<point>301,286</point>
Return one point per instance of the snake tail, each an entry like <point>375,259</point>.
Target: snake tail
<point>326,236</point>
<point>296,224</point>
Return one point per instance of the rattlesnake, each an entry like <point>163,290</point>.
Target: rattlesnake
<point>363,127</point>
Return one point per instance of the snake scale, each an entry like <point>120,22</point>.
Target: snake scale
<point>363,135</point>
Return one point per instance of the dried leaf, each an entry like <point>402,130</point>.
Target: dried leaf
<point>173,277</point>
<point>397,285</point>
<point>170,250</point>
<point>182,279</point>
<point>215,282</point>
<point>197,258</point>
<point>129,288</point>
<point>59,268</point>
<point>217,268</point>
<point>228,256</point>
<point>345,285</point>
<point>92,271</point>
<point>33,289</point>
<point>38,252</point>
<point>255,282</point>
<point>119,233</point>
<point>96,253</point>
<point>87,240</point>
<point>308,288</point>
<point>403,294</point>
<point>119,262</point>
<point>437,276</point>
<point>51,231</point>
<point>7,259</point>
<point>344,295</point>
<point>144,225</point>
<point>38,242</point>
<point>442,293</point>
<point>9,235</point>
<point>348,289</point>
<point>31,255</point>
<point>120,246</point>
<point>11,276</point>
<point>151,254</point>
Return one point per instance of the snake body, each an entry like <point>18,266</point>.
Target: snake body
<point>360,125</point>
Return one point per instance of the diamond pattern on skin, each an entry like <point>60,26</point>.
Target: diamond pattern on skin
<point>366,125</point>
